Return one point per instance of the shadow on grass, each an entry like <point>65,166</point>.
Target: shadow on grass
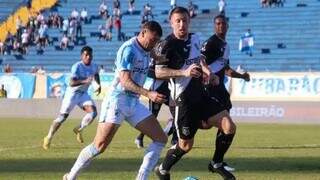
<point>297,164</point>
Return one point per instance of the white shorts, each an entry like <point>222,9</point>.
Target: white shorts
<point>116,111</point>
<point>80,99</point>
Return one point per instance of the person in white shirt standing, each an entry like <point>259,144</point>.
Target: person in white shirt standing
<point>83,73</point>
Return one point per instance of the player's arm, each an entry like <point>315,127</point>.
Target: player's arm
<point>124,64</point>
<point>208,75</point>
<point>96,78</point>
<point>130,85</point>
<point>77,82</point>
<point>234,74</point>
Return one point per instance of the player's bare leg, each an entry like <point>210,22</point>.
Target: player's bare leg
<point>105,133</point>
<point>86,120</point>
<point>52,130</point>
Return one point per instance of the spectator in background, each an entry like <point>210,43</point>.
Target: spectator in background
<point>2,48</point>
<point>64,43</point>
<point>116,8</point>
<point>192,9</point>
<point>103,10</point>
<point>25,41</point>
<point>75,13</point>
<point>72,29</point>
<point>103,32</point>
<point>57,19</point>
<point>7,69</point>
<point>117,25</point>
<point>40,19</point>
<point>17,46</point>
<point>78,28</point>
<point>109,25</point>
<point>131,6</point>
<point>173,3</point>
<point>264,3</point>
<point>246,43</point>
<point>3,92</point>
<point>41,70</point>
<point>84,15</point>
<point>19,27</point>
<point>65,26</point>
<point>147,11</point>
<point>34,69</point>
<point>222,5</point>
<point>43,35</point>
<point>8,43</point>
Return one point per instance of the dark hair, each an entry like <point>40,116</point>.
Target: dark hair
<point>179,10</point>
<point>86,48</point>
<point>220,16</point>
<point>153,26</point>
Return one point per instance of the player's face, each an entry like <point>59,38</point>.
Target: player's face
<point>221,26</point>
<point>150,39</point>
<point>86,57</point>
<point>180,25</point>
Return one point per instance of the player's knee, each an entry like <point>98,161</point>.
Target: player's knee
<point>185,146</point>
<point>61,118</point>
<point>230,127</point>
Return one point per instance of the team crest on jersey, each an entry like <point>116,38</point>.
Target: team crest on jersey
<point>203,48</point>
<point>186,131</point>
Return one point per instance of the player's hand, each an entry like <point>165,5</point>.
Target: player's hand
<point>156,97</point>
<point>193,70</point>
<point>246,76</point>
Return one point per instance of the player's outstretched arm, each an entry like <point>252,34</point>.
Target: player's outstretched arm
<point>234,74</point>
<point>130,85</point>
<point>167,73</point>
<point>76,82</point>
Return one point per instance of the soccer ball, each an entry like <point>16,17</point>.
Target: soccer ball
<point>191,178</point>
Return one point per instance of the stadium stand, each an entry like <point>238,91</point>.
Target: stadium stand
<point>289,33</point>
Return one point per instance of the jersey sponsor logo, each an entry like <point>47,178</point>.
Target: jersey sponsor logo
<point>140,70</point>
<point>139,67</point>
<point>186,131</point>
<point>193,61</point>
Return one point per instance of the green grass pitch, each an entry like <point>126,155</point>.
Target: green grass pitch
<point>259,151</point>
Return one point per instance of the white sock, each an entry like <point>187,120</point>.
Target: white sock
<point>150,160</point>
<point>86,120</point>
<point>84,159</point>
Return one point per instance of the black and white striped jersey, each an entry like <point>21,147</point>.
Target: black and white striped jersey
<point>180,54</point>
<point>216,52</point>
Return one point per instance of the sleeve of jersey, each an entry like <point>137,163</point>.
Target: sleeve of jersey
<point>160,54</point>
<point>125,59</point>
<point>74,71</point>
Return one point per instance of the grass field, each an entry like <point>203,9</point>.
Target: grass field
<point>259,151</point>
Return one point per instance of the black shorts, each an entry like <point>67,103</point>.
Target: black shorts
<point>221,94</point>
<point>162,89</point>
<point>188,116</point>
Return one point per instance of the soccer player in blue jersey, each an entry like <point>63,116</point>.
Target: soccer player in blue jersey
<point>123,103</point>
<point>83,73</point>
